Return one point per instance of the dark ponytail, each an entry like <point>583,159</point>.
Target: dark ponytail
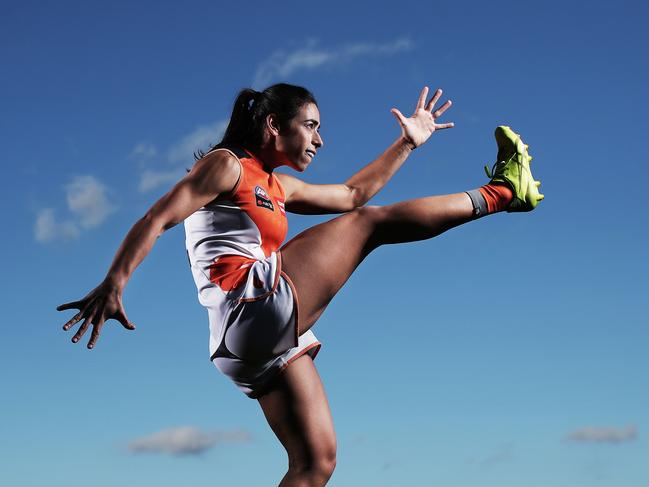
<point>246,127</point>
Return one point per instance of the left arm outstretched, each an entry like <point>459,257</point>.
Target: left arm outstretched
<point>307,198</point>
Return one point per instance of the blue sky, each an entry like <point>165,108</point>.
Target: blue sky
<point>511,351</point>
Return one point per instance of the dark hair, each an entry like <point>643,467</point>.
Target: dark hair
<point>246,127</point>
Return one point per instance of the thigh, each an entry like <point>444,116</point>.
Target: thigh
<point>298,412</point>
<point>319,260</point>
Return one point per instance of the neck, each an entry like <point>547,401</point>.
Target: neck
<point>269,158</point>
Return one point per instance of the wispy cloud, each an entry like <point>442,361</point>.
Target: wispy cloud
<point>593,434</point>
<point>48,228</point>
<point>144,151</point>
<point>178,155</point>
<point>88,207</point>
<point>185,440</point>
<point>279,65</point>
<point>282,64</point>
<point>88,201</point>
<point>151,179</point>
<point>201,137</point>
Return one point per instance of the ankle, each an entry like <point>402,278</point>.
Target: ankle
<point>497,195</point>
<point>490,198</point>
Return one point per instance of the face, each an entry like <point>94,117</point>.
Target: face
<point>298,143</point>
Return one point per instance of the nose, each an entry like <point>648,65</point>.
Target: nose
<point>317,140</point>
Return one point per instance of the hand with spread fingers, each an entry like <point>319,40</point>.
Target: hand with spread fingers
<point>101,304</point>
<point>421,125</point>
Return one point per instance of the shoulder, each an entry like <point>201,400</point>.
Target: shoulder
<point>289,183</point>
<point>218,170</point>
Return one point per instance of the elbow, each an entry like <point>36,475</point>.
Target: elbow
<point>356,198</point>
<point>154,224</point>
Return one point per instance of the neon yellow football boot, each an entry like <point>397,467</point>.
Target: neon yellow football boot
<point>513,168</point>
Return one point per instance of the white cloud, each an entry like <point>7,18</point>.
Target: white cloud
<point>186,440</point>
<point>201,137</point>
<point>592,434</point>
<point>87,200</point>
<point>88,207</point>
<point>364,48</point>
<point>151,179</point>
<point>47,228</point>
<point>281,64</point>
<point>144,151</point>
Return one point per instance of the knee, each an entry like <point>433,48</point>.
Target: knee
<point>324,467</point>
<point>319,468</point>
<point>371,214</point>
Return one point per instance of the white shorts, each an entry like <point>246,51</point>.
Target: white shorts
<point>260,336</point>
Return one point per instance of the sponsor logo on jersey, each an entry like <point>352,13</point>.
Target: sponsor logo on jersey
<point>259,191</point>
<point>263,199</point>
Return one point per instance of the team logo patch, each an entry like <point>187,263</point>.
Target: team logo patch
<point>263,199</point>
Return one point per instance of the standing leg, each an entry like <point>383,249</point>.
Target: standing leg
<point>298,412</point>
<point>321,259</point>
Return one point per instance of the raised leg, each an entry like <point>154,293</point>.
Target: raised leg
<point>298,412</point>
<point>321,259</point>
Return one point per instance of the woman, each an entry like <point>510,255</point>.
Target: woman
<point>263,301</point>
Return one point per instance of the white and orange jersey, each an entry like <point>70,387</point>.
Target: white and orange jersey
<point>232,242</point>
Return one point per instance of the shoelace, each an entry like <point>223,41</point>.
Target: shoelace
<point>492,172</point>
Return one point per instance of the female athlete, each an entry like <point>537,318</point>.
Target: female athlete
<point>262,300</point>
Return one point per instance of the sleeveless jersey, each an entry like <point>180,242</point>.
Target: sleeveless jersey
<point>232,243</point>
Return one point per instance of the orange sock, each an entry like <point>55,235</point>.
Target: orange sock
<point>498,196</point>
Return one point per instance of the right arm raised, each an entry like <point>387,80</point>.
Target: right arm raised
<point>214,174</point>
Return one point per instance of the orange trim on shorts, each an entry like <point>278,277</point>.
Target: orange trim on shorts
<point>302,352</point>
<point>268,386</point>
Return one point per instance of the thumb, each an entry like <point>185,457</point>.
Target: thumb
<point>399,116</point>
<point>126,323</point>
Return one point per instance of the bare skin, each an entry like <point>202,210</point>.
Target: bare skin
<point>298,412</point>
<point>296,407</point>
<point>348,239</point>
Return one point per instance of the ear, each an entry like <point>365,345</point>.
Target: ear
<point>272,124</point>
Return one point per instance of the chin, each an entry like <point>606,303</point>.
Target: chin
<point>301,166</point>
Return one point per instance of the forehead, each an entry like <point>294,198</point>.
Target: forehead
<point>308,112</point>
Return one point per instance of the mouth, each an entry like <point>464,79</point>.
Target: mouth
<point>311,153</point>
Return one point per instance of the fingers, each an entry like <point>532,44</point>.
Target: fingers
<point>82,329</point>
<point>70,305</point>
<point>433,100</point>
<point>422,98</point>
<point>399,116</point>
<point>100,305</point>
<point>75,319</point>
<point>96,329</point>
<point>438,113</point>
<point>449,125</point>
